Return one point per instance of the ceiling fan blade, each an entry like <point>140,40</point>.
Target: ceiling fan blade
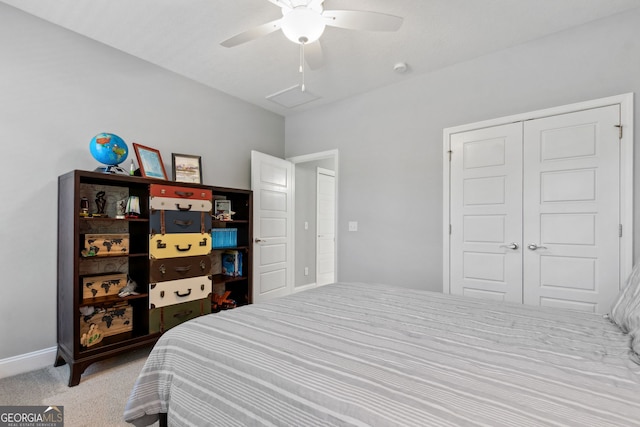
<point>362,20</point>
<point>253,33</point>
<point>315,4</point>
<point>313,55</point>
<point>285,4</point>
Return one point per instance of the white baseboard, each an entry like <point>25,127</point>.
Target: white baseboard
<point>303,287</point>
<point>27,362</point>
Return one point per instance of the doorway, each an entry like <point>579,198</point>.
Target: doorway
<point>315,219</point>
<point>325,226</point>
<point>285,256</point>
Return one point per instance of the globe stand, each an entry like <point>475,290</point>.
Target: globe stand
<point>112,169</point>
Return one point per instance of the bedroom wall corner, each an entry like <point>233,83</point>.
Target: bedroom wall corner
<point>59,89</point>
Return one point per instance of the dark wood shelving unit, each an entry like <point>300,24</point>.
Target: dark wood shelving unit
<point>242,204</point>
<point>73,267</point>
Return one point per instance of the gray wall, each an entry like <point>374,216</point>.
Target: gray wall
<point>57,90</point>
<point>390,140</point>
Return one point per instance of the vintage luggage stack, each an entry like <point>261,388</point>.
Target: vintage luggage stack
<point>179,247</point>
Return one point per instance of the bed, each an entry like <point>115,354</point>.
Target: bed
<point>373,355</point>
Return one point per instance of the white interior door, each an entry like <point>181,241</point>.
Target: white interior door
<point>326,226</point>
<point>272,185</point>
<point>486,213</point>
<point>572,210</point>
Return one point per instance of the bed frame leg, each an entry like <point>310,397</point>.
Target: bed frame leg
<point>163,420</point>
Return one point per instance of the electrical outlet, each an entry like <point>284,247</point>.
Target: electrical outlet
<point>306,271</point>
<point>353,225</point>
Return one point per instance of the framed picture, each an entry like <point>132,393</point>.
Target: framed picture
<point>150,162</point>
<point>221,207</point>
<point>186,168</point>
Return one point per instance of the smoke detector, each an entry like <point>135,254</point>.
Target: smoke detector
<point>400,67</point>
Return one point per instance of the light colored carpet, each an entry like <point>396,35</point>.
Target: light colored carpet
<point>98,400</point>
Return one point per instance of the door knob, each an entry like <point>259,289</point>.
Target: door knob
<point>259,240</point>
<point>533,247</point>
<point>512,246</point>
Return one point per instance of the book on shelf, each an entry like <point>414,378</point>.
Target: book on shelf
<point>224,237</point>
<point>232,263</point>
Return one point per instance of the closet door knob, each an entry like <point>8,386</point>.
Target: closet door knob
<point>534,247</point>
<point>512,246</point>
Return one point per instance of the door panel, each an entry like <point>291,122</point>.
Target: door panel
<point>483,191</point>
<point>273,227</point>
<point>571,210</point>
<point>486,213</point>
<point>567,185</point>
<point>484,266</point>
<point>568,272</point>
<point>273,254</point>
<point>271,182</point>
<point>484,228</point>
<point>568,229</point>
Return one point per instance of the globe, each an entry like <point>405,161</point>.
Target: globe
<point>109,149</point>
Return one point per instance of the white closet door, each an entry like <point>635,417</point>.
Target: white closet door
<point>486,213</point>
<point>571,210</point>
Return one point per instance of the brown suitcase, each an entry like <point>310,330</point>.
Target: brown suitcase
<point>165,269</point>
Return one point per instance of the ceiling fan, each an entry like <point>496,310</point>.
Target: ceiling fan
<point>304,21</point>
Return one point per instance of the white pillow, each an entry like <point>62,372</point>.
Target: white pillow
<point>625,311</point>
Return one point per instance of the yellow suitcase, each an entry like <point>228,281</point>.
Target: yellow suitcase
<point>179,245</point>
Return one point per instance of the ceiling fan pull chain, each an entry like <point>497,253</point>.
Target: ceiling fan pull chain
<point>302,65</point>
<point>301,68</point>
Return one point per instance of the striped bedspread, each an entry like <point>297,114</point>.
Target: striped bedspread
<point>372,355</point>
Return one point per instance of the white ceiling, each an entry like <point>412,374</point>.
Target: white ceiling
<point>184,36</point>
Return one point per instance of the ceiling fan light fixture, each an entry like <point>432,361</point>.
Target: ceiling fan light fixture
<point>302,25</point>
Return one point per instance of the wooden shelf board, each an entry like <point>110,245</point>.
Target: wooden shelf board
<point>109,300</point>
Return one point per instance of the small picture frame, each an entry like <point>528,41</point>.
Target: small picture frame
<point>150,162</point>
<point>221,207</point>
<point>186,168</point>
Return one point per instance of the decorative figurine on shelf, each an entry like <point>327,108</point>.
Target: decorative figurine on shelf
<point>132,209</point>
<point>222,209</point>
<point>129,288</point>
<point>225,216</point>
<point>94,336</point>
<point>100,203</point>
<point>121,208</point>
<point>111,150</point>
<point>87,310</point>
<point>91,251</point>
<point>222,302</point>
<point>84,206</point>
